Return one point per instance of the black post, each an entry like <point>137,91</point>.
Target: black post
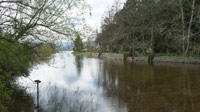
<point>38,106</point>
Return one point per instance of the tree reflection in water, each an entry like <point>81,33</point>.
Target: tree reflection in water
<point>79,63</point>
<point>147,88</point>
<point>58,99</point>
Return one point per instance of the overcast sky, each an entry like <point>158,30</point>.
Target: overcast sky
<point>99,8</point>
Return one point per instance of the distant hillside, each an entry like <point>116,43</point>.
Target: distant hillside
<point>65,46</point>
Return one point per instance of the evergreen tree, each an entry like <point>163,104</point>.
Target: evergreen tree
<point>78,44</point>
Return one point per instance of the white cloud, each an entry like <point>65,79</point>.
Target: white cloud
<point>98,9</point>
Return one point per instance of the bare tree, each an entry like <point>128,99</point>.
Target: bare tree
<point>40,20</point>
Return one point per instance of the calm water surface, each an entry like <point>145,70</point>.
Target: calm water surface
<point>82,84</point>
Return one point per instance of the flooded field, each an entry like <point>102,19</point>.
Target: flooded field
<point>83,84</point>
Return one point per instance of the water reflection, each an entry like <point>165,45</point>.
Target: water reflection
<point>155,88</point>
<point>94,85</point>
<point>58,99</point>
<point>79,63</point>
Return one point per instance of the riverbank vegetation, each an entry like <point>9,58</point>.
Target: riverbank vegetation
<point>15,61</point>
<point>152,27</point>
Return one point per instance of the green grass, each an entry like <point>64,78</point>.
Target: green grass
<point>169,55</point>
<point>83,53</point>
<point>124,52</point>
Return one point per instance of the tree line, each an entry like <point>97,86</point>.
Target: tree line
<point>152,26</point>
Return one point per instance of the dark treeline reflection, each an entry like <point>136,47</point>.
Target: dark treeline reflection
<point>79,63</point>
<point>152,88</point>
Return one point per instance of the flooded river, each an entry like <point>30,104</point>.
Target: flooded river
<point>82,84</point>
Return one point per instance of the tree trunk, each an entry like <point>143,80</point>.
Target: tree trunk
<point>99,54</point>
<point>143,49</point>
<point>189,28</point>
<point>133,46</point>
<point>183,26</point>
<point>152,52</point>
<point>130,51</point>
<point>100,50</point>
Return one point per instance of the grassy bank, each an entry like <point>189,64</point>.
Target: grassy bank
<point>83,53</point>
<point>159,58</point>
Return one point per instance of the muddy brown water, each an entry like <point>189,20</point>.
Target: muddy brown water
<point>78,84</point>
